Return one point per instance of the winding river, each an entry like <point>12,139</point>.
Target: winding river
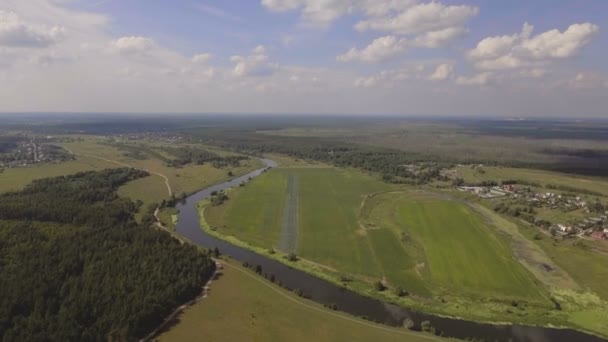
<point>324,292</point>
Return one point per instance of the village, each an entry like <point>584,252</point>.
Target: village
<point>591,220</point>
<point>32,151</point>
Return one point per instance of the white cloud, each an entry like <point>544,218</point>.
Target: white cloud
<point>524,50</point>
<point>202,58</point>
<point>588,80</point>
<point>556,44</point>
<point>436,22</point>
<point>483,78</point>
<point>216,12</point>
<point>133,44</point>
<point>256,64</point>
<point>379,50</point>
<point>435,39</point>
<point>421,18</point>
<point>442,72</point>
<point>315,12</point>
<point>15,33</point>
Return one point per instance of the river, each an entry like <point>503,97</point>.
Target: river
<point>324,292</point>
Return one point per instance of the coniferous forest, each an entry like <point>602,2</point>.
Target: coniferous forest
<point>76,266</point>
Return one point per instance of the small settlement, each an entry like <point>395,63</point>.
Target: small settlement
<point>523,202</point>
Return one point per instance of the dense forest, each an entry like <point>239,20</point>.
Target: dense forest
<point>77,267</point>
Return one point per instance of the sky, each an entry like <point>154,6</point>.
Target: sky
<point>516,58</point>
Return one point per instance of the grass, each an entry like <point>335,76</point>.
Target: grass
<point>460,251</point>
<point>427,245</point>
<point>594,184</point>
<point>17,178</point>
<point>151,190</point>
<point>456,256</point>
<point>243,307</point>
<point>256,211</point>
<point>168,217</point>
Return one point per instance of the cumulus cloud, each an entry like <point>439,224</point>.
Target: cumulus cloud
<point>256,64</point>
<point>17,34</point>
<point>483,78</point>
<point>392,77</point>
<point>442,72</point>
<point>435,39</point>
<point>524,50</point>
<point>133,45</point>
<point>202,58</point>
<point>434,23</point>
<point>379,50</point>
<point>421,18</point>
<point>315,12</point>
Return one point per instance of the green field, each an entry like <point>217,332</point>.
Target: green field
<point>543,178</point>
<point>17,178</point>
<point>426,244</point>
<point>457,250</point>
<point>243,307</point>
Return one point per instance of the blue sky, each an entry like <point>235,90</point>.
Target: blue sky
<point>369,56</point>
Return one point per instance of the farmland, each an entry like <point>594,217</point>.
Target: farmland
<point>241,304</point>
<point>351,225</point>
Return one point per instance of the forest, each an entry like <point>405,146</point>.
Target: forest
<point>76,266</point>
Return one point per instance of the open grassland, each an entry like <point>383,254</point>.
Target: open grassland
<point>17,178</point>
<point>543,178</point>
<point>150,190</point>
<point>459,251</point>
<point>255,212</point>
<point>350,224</point>
<point>243,307</point>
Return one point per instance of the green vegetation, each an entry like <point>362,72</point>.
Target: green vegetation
<point>356,230</point>
<point>76,266</point>
<point>545,179</point>
<point>255,211</point>
<point>454,249</point>
<point>242,305</point>
<point>17,178</point>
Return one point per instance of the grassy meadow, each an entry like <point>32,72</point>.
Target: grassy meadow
<point>152,189</point>
<point>242,306</point>
<point>17,178</point>
<point>454,247</point>
<point>353,224</point>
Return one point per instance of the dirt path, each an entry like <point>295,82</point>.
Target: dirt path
<point>169,190</point>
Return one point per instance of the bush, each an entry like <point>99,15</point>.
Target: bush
<point>292,257</point>
<point>400,292</point>
<point>379,286</point>
<point>409,324</point>
<point>426,326</point>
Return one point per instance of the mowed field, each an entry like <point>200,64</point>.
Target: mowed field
<point>452,245</point>
<point>354,224</point>
<point>243,307</point>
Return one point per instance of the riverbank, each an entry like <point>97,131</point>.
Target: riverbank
<point>347,299</point>
<point>242,305</point>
